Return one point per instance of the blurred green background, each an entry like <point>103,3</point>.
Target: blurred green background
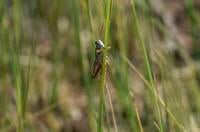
<point>152,79</point>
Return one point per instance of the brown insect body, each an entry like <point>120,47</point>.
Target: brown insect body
<point>98,58</point>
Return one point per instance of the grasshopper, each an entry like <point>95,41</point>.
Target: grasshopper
<point>97,65</point>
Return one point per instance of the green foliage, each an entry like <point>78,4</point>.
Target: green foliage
<point>46,58</point>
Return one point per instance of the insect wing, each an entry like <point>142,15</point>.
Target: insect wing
<point>96,69</point>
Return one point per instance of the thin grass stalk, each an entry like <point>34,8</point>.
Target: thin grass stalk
<point>89,13</point>
<point>16,73</point>
<point>103,73</point>
<point>53,98</point>
<point>112,108</point>
<point>162,66</point>
<point>16,66</point>
<point>76,20</point>
<point>82,60</point>
<point>181,127</point>
<point>28,76</point>
<point>126,98</point>
<point>147,62</point>
<point>138,118</point>
<point>21,78</point>
<point>121,36</point>
<point>137,114</point>
<point>183,53</point>
<point>52,25</point>
<point>88,86</point>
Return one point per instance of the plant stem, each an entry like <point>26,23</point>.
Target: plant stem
<point>103,73</point>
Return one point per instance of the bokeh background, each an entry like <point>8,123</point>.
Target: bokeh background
<point>46,56</point>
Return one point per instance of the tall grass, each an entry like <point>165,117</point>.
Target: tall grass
<point>120,70</point>
<point>147,64</point>
<point>83,58</point>
<point>108,10</point>
<point>146,90</point>
<point>16,67</point>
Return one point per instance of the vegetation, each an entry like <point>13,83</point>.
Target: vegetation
<point>150,75</point>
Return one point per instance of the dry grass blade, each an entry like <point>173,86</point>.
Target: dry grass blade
<point>111,107</point>
<point>158,96</point>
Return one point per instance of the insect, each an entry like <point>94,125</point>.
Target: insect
<point>98,58</point>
